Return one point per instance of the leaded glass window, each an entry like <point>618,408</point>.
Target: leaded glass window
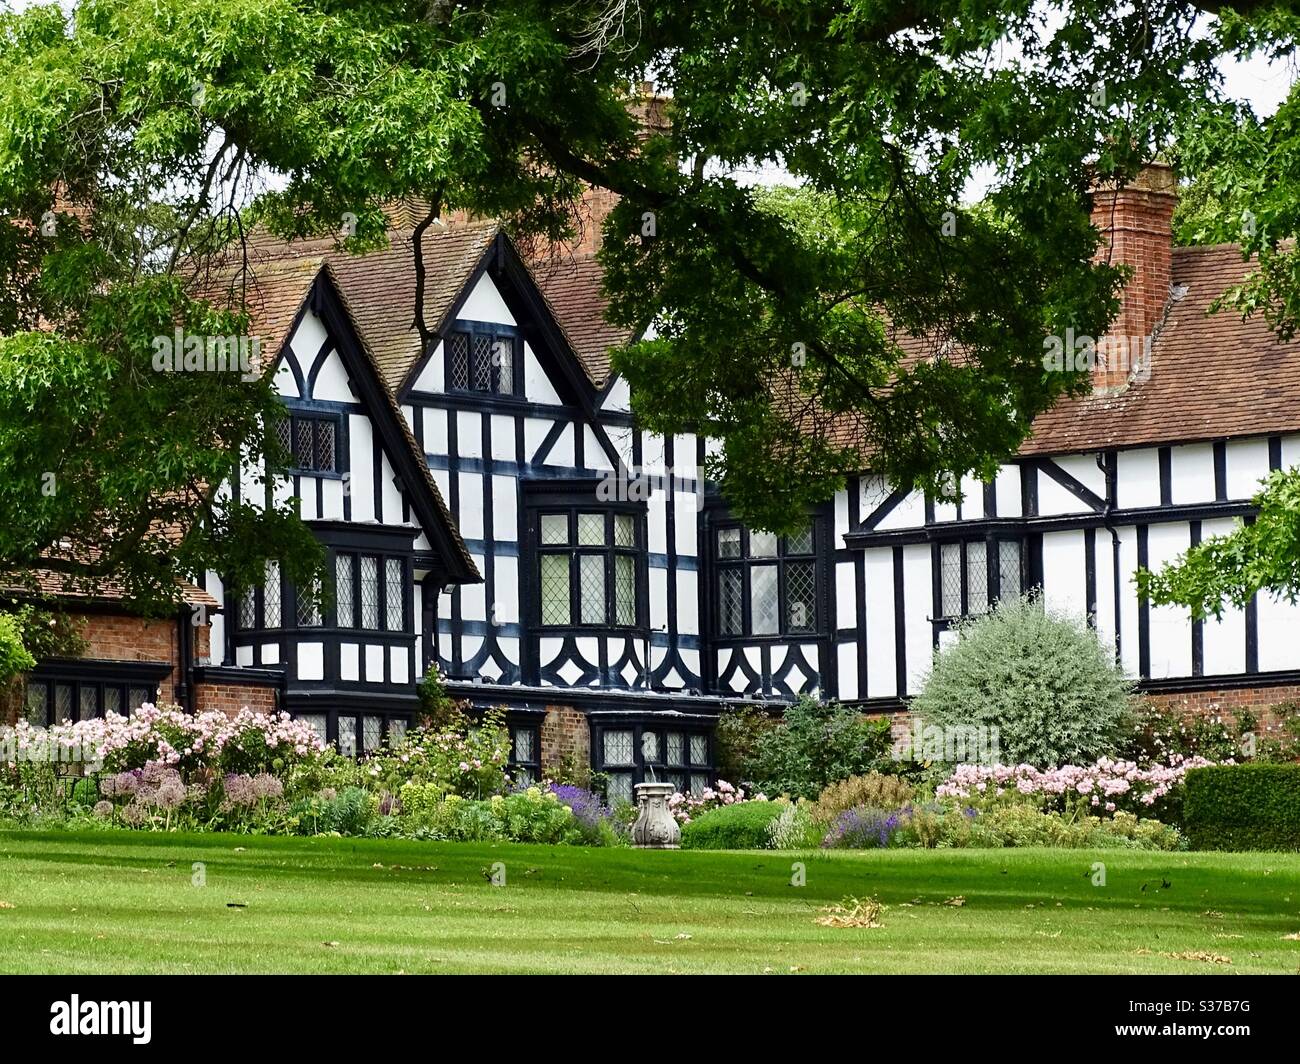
<point>650,746</point>
<point>393,594</point>
<point>88,707</point>
<point>62,702</point>
<point>137,697</point>
<point>676,754</point>
<point>343,602</point>
<point>348,736</point>
<point>248,609</point>
<point>555,589</point>
<point>369,591</point>
<point>309,608</point>
<point>591,590</point>
<point>37,701</point>
<point>396,731</point>
<point>975,572</point>
<point>458,361</point>
<point>372,733</point>
<point>112,700</point>
<point>588,568</point>
<point>616,747</point>
<point>316,722</point>
<point>699,749</point>
<point>271,596</point>
<point>481,359</point>
<point>766,584</point>
<point>310,441</point>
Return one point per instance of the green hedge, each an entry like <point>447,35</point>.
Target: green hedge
<point>732,827</point>
<point>1243,807</point>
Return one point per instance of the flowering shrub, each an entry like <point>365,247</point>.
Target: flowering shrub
<point>684,807</point>
<point>462,758</point>
<point>591,815</point>
<point>529,815</point>
<point>168,736</point>
<point>1107,786</point>
<point>864,827</point>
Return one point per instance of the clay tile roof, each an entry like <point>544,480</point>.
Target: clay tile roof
<point>380,289</point>
<point>1212,375</point>
<point>571,286</point>
<point>51,584</point>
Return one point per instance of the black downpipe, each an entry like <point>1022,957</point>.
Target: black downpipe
<point>1110,469</point>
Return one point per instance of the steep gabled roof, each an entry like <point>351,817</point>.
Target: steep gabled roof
<point>571,284</point>
<point>280,282</point>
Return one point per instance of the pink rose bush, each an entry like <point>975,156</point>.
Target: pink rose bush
<point>686,806</point>
<point>1106,786</point>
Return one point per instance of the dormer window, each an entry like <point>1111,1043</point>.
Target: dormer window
<point>482,358</point>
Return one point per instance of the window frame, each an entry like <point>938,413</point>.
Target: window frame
<point>495,332</point>
<point>696,775</point>
<point>293,415</point>
<point>993,542</point>
<point>610,551</point>
<point>383,559</point>
<point>783,559</point>
<point>134,682</point>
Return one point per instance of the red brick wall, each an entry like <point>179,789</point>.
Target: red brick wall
<point>565,733</point>
<point>230,698</point>
<point>1229,702</point>
<point>123,637</point>
<point>1136,223</point>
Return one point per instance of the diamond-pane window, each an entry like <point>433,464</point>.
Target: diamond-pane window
<point>271,596</point>
<point>678,780</point>
<point>620,786</point>
<point>372,733</point>
<point>316,722</point>
<point>88,703</point>
<point>591,530</point>
<point>396,731</point>
<point>1009,568</point>
<point>393,594</point>
<point>112,700</point>
<point>616,747</point>
<point>762,545</point>
<point>137,697</point>
<point>343,608</point>
<point>555,589</point>
<point>304,447</point>
<point>481,362</point>
<point>309,607</point>
<point>458,361</point>
<point>62,702</point>
<point>248,610</point>
<point>699,784</point>
<point>591,588</point>
<point>676,754</point>
<point>800,596</point>
<point>950,579</point>
<point>977,577</point>
<point>555,528</point>
<point>624,531</point>
<point>728,543</point>
<point>348,736</point>
<point>699,749</point>
<point>523,740</point>
<point>34,708</point>
<point>624,590</point>
<point>369,591</point>
<point>650,746</point>
<point>503,364</point>
<point>326,453</point>
<point>284,436</point>
<point>731,602</point>
<point>763,599</point>
<point>801,542</point>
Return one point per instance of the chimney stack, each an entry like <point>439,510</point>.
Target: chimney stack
<point>1136,223</point>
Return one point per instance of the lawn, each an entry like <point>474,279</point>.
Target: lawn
<point>110,901</point>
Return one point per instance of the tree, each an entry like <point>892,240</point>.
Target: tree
<point>781,340</point>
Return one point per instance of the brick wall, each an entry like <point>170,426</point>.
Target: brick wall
<point>230,698</point>
<point>1136,223</point>
<point>124,637</point>
<point>565,733</point>
<point>1228,702</point>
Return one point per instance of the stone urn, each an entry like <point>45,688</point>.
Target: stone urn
<point>655,828</point>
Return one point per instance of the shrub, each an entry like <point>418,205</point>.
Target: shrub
<point>463,757</point>
<point>1243,807</point>
<point>736,739</point>
<point>732,827</point>
<point>1106,787</point>
<point>15,658</point>
<point>1160,733</point>
<point>864,828</point>
<point>873,789</point>
<point>815,744</point>
<point>794,828</point>
<point>686,807</point>
<point>591,816</point>
<point>349,812</point>
<point>1044,681</point>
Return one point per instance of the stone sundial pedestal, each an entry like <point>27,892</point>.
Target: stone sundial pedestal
<point>655,828</point>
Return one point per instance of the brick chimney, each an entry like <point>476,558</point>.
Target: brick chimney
<point>1136,224</point>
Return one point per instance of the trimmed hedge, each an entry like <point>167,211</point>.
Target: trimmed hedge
<point>732,827</point>
<point>1243,807</point>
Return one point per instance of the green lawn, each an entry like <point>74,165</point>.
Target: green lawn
<point>110,901</point>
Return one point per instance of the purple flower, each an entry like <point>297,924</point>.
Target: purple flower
<point>587,807</point>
